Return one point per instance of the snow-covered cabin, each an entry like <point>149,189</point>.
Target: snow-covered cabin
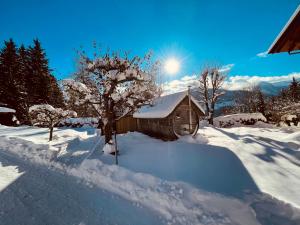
<point>170,116</point>
<point>8,117</point>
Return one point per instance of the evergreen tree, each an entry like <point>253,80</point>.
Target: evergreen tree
<point>22,78</point>
<point>261,106</point>
<point>38,78</point>
<point>294,90</point>
<point>9,67</point>
<point>12,88</point>
<point>26,80</point>
<point>44,85</point>
<point>55,97</point>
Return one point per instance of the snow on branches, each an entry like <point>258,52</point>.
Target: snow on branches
<point>46,115</point>
<point>118,85</point>
<point>211,80</point>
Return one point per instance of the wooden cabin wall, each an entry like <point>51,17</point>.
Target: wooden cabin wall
<point>125,124</point>
<point>160,128</point>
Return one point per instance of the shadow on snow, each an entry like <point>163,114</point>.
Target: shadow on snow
<point>42,196</point>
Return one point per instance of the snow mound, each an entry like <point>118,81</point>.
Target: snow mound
<point>37,153</point>
<point>240,119</point>
<point>108,148</point>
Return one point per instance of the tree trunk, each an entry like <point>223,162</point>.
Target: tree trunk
<point>211,115</point>
<point>211,120</point>
<point>107,133</point>
<point>108,123</point>
<point>51,133</point>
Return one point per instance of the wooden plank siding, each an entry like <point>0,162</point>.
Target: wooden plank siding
<point>161,128</point>
<point>125,124</point>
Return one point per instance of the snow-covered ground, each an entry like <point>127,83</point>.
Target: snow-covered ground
<point>271,156</point>
<point>216,178</point>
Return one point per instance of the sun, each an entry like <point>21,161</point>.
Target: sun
<point>172,66</point>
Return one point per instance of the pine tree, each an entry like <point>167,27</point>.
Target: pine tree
<point>261,106</point>
<point>9,67</point>
<point>37,78</point>
<point>12,88</point>
<point>22,79</point>
<point>45,88</point>
<point>55,95</point>
<point>294,90</point>
<point>26,80</point>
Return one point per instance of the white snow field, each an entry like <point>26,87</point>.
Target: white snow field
<point>216,178</point>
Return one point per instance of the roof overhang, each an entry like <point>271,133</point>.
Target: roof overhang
<point>288,39</point>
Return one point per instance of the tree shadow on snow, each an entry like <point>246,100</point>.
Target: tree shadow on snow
<point>273,148</point>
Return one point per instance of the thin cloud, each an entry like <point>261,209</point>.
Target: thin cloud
<point>182,84</point>
<point>226,68</point>
<point>262,54</point>
<point>232,83</point>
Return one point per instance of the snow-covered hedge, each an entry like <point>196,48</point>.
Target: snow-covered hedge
<point>79,122</point>
<point>239,119</point>
<point>289,120</point>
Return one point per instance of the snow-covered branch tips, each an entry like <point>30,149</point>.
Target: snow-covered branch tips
<point>48,116</point>
<point>115,85</point>
<point>211,80</point>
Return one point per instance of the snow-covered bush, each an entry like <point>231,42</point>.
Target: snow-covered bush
<point>239,119</point>
<point>47,116</point>
<point>290,119</point>
<point>79,122</point>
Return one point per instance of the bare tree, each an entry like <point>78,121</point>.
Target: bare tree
<point>211,81</point>
<point>120,86</point>
<point>48,116</point>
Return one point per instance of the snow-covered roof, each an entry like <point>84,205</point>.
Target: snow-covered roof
<point>6,110</point>
<point>164,106</point>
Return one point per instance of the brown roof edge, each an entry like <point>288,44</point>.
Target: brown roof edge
<point>282,38</point>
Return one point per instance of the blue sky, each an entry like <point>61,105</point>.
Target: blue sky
<point>197,32</point>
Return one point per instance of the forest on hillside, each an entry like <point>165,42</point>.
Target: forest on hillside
<point>26,79</point>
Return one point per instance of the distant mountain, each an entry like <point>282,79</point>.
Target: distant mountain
<point>269,89</point>
<point>272,89</point>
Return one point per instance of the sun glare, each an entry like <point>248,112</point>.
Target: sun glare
<point>172,66</point>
